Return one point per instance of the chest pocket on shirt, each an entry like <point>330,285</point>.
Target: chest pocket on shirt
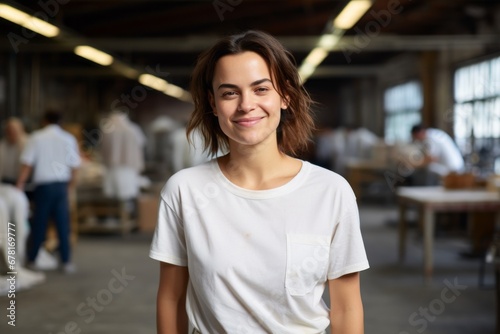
<point>306,262</point>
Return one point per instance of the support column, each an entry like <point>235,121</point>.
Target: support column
<point>34,107</point>
<point>428,60</point>
<point>12,86</point>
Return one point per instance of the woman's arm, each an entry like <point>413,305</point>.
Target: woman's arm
<point>171,316</point>
<point>346,307</point>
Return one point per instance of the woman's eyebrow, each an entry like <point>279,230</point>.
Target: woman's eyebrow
<point>258,82</point>
<point>255,83</point>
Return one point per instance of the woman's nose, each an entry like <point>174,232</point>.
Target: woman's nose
<point>247,103</point>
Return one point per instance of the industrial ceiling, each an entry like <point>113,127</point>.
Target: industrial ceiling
<point>165,37</point>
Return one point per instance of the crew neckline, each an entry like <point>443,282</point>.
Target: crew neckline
<point>284,189</point>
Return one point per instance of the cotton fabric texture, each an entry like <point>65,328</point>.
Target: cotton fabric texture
<point>259,260</point>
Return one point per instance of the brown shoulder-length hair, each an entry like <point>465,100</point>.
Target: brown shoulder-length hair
<point>296,124</point>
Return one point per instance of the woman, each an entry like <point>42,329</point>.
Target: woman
<point>248,242</point>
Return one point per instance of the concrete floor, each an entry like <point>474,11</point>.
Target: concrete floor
<point>396,301</point>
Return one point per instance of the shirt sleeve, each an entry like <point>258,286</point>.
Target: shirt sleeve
<point>347,250</point>
<point>169,243</point>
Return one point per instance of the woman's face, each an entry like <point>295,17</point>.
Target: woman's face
<point>247,105</point>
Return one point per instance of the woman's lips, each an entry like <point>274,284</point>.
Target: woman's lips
<point>250,121</point>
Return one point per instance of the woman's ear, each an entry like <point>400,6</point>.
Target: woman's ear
<point>285,102</point>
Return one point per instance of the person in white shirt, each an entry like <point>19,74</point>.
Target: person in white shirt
<point>11,147</point>
<point>52,155</point>
<point>441,155</point>
<point>351,143</point>
<point>186,153</point>
<point>248,241</point>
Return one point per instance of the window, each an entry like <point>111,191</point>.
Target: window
<point>477,108</point>
<point>402,106</point>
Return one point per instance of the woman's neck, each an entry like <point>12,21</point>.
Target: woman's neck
<point>258,169</point>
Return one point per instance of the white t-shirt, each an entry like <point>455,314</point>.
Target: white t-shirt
<point>259,260</point>
<point>52,152</point>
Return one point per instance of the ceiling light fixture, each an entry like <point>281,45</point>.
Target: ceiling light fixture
<point>94,55</point>
<point>328,41</point>
<point>163,86</point>
<point>305,71</point>
<point>125,70</point>
<point>351,14</point>
<point>174,90</point>
<point>178,92</point>
<point>28,21</point>
<point>316,56</point>
<point>347,18</point>
<point>48,30</point>
<point>153,82</point>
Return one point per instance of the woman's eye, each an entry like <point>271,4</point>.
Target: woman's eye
<point>228,94</point>
<point>262,89</point>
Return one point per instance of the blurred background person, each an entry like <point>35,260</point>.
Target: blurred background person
<point>351,143</point>
<point>11,147</point>
<point>440,155</point>
<point>52,155</point>
<point>123,154</point>
<point>14,208</point>
<point>359,142</point>
<point>186,154</point>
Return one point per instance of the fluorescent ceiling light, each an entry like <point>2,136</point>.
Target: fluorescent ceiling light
<point>305,71</point>
<point>94,55</point>
<point>48,30</point>
<point>153,82</point>
<point>316,56</point>
<point>126,70</point>
<point>328,41</point>
<point>351,14</point>
<point>174,91</point>
<point>164,87</point>
<point>28,21</point>
<point>178,92</point>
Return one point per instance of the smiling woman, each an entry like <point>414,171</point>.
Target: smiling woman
<point>248,242</point>
<point>245,101</point>
<point>279,68</point>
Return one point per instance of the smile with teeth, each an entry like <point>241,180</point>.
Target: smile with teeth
<point>249,121</point>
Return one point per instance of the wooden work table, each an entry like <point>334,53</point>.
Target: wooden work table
<point>430,200</point>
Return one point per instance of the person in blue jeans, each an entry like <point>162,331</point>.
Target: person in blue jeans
<point>52,156</point>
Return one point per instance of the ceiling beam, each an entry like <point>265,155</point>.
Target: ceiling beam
<point>293,43</point>
<point>322,71</point>
<point>415,43</point>
<point>347,71</point>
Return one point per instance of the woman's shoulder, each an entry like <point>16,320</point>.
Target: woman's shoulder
<point>324,173</point>
<point>325,177</point>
